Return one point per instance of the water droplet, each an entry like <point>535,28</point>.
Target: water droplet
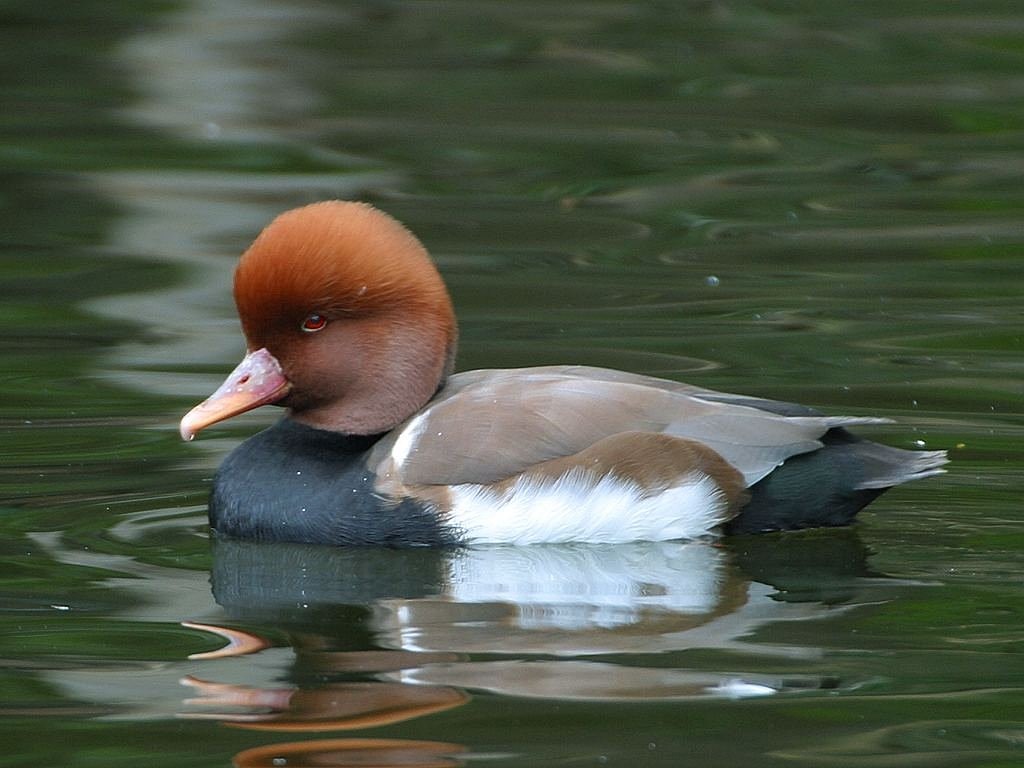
<point>712,281</point>
<point>920,443</point>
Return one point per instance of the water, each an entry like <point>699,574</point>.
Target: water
<point>808,201</point>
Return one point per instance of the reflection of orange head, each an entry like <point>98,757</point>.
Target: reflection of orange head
<point>353,752</point>
<point>349,706</point>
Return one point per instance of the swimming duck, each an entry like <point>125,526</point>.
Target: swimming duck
<point>349,326</point>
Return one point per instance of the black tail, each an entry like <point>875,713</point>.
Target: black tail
<point>831,485</point>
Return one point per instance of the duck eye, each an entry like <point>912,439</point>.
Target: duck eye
<point>313,323</point>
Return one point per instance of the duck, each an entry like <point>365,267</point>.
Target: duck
<point>349,328</point>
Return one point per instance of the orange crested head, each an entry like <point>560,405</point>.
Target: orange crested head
<point>347,322</point>
<point>336,260</point>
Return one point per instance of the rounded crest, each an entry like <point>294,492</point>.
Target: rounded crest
<point>336,259</point>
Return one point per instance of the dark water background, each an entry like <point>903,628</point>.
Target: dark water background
<point>813,201</point>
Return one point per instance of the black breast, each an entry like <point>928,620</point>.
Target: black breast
<point>295,483</point>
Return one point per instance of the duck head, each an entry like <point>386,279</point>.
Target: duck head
<point>347,323</point>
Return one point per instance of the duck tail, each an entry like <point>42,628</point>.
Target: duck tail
<point>831,485</point>
<point>884,466</point>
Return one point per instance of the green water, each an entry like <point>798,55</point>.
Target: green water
<point>818,202</point>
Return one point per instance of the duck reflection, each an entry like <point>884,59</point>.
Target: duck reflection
<point>585,600</point>
<point>557,622</point>
<point>327,707</point>
<point>438,611</point>
<point>352,752</point>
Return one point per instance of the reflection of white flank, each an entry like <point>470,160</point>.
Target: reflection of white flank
<point>569,602</point>
<point>596,586</point>
<point>583,599</point>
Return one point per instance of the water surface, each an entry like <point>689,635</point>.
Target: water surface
<point>808,201</point>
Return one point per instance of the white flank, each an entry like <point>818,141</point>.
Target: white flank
<point>575,508</point>
<point>404,442</point>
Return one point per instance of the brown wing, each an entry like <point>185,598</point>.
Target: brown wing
<point>487,426</point>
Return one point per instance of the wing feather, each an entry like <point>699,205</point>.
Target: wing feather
<point>488,426</point>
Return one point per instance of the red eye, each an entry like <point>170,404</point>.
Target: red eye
<point>313,323</point>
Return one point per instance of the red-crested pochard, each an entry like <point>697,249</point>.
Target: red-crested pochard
<point>350,328</point>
